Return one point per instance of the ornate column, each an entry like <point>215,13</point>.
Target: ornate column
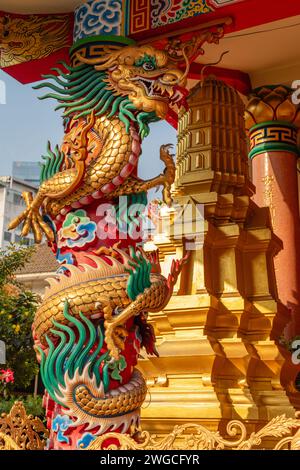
<point>272,121</point>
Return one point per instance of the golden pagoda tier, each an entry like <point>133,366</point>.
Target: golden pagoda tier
<point>218,338</point>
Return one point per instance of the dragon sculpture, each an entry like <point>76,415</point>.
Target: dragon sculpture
<point>92,322</point>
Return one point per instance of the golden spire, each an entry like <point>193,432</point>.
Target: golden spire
<point>212,150</point>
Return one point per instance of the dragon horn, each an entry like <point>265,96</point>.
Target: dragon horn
<point>107,60</point>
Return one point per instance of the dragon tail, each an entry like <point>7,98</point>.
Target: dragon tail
<point>77,374</point>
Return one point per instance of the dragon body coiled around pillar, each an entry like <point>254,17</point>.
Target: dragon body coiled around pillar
<point>92,322</point>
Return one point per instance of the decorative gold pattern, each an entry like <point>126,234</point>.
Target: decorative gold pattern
<point>19,431</point>
<point>139,16</point>
<point>33,37</point>
<point>272,120</point>
<point>198,437</point>
<point>273,133</point>
<point>7,443</point>
<point>91,51</point>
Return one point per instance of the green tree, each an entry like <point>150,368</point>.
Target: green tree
<point>17,310</point>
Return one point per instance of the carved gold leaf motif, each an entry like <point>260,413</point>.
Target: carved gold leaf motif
<point>197,437</point>
<point>18,431</point>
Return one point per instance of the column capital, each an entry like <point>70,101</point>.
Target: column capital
<point>272,120</point>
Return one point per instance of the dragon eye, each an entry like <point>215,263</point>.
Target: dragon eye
<point>148,66</point>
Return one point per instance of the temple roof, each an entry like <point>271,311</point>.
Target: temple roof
<point>42,261</point>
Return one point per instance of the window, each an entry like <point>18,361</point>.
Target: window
<point>18,238</point>
<point>17,199</point>
<point>7,236</point>
<point>24,241</point>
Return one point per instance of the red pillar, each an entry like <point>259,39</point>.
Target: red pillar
<point>275,178</point>
<point>273,120</point>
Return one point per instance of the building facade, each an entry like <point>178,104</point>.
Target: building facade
<point>11,203</point>
<point>42,266</point>
<point>27,171</point>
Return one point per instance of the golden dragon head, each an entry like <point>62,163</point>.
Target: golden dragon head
<point>145,75</point>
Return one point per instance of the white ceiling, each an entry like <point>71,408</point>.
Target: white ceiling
<point>39,6</point>
<point>268,57</point>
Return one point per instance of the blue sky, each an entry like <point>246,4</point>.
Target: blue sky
<point>28,123</point>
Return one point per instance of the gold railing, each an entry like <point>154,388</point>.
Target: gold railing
<point>283,432</point>
<point>21,432</point>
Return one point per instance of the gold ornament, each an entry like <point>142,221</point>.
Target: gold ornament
<point>7,443</point>
<point>272,104</point>
<point>198,437</point>
<point>20,431</point>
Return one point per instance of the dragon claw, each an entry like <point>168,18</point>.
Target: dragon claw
<point>169,173</point>
<point>32,220</point>
<point>166,148</point>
